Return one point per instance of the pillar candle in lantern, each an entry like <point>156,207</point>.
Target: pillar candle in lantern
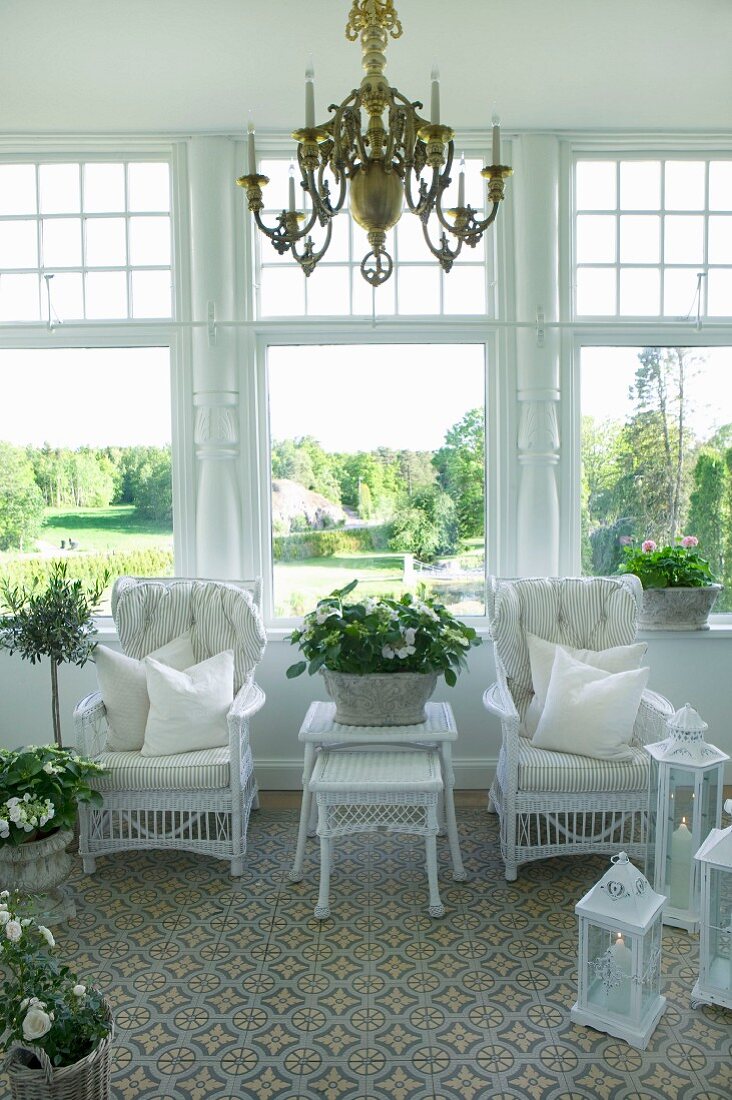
<point>681,853</point>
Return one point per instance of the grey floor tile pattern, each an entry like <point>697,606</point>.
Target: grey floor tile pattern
<point>230,988</point>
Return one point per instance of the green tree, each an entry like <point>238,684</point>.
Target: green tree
<point>708,507</point>
<point>21,501</point>
<point>427,526</point>
<point>154,490</point>
<point>460,465</point>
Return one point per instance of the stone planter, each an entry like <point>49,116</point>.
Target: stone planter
<point>381,698</point>
<point>39,867</point>
<point>677,608</point>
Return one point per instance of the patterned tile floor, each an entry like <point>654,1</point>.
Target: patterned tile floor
<point>227,988</point>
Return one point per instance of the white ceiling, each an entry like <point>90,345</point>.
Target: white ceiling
<point>107,66</point>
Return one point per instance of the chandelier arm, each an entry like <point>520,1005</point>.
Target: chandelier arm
<point>308,258</point>
<point>444,253</point>
<point>285,233</point>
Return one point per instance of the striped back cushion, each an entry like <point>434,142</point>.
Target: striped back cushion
<point>580,612</point>
<point>149,613</point>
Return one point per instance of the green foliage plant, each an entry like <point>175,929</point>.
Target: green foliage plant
<point>51,620</point>
<point>40,788</point>
<point>677,566</point>
<point>380,634</point>
<point>44,1005</point>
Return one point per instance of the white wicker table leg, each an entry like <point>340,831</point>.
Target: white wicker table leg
<point>302,831</point>
<point>436,909</point>
<point>448,777</point>
<point>322,909</point>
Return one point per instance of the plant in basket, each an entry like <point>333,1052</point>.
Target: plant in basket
<point>57,1028</point>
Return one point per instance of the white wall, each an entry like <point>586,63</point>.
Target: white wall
<point>694,669</point>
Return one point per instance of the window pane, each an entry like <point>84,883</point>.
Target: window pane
<point>106,294</point>
<point>464,290</point>
<point>367,300</point>
<point>720,239</point>
<point>282,291</point>
<point>640,238</point>
<point>720,293</point>
<point>596,291</point>
<point>720,185</point>
<point>19,298</point>
<point>67,298</point>
<point>339,247</point>
<point>684,185</point>
<point>596,185</point>
<point>95,461</point>
<point>640,291</point>
<point>18,189</point>
<point>61,242</point>
<point>355,477</point>
<point>411,244</point>
<point>18,245</point>
<point>684,239</point>
<point>59,184</point>
<point>275,193</point>
<point>150,241</point>
<point>327,292</point>
<point>148,187</point>
<point>418,289</point>
<point>596,238</point>
<point>151,293</point>
<point>679,292</point>
<point>632,401</point>
<point>640,184</point>
<point>106,245</point>
<point>104,188</point>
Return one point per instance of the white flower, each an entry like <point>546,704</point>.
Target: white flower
<point>4,828</point>
<point>25,922</point>
<point>387,652</point>
<point>36,1023</point>
<point>26,797</point>
<point>47,935</point>
<point>4,917</point>
<point>51,769</point>
<point>4,893</point>
<point>323,613</point>
<point>409,635</point>
<point>24,1003</point>
<point>79,990</point>
<point>13,931</point>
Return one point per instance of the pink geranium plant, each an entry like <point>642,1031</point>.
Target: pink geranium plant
<point>677,566</point>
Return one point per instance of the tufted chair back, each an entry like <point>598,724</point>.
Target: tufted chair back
<point>580,612</point>
<point>220,615</point>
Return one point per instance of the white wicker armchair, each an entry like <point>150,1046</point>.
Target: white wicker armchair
<point>198,801</point>
<point>555,803</point>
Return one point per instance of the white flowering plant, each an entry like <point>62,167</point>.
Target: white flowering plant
<point>380,634</point>
<point>44,1005</point>
<point>40,787</point>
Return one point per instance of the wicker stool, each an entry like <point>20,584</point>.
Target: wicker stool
<point>359,792</point>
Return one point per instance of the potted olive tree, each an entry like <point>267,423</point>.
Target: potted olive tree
<point>51,619</point>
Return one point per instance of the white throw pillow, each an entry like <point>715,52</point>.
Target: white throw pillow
<point>620,658</point>
<point>590,712</point>
<point>123,686</point>
<point>188,709</point>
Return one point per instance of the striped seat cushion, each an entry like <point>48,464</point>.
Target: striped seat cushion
<point>206,769</point>
<point>543,770</point>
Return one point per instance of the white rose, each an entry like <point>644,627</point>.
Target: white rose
<point>36,1024</point>
<point>13,930</point>
<point>24,1003</point>
<point>49,768</point>
<point>4,917</point>
<point>79,990</point>
<point>47,935</point>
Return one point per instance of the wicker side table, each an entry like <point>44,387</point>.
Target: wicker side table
<point>358,792</point>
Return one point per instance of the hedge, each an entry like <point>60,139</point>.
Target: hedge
<point>324,544</point>
<point>90,567</point>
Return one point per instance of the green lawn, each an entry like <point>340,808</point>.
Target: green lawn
<point>116,528</point>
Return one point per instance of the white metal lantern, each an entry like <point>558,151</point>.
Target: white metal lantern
<point>619,972</point>
<point>685,785</point>
<point>715,942</point>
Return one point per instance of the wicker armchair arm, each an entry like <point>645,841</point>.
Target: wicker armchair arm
<point>497,699</point>
<point>249,699</point>
<point>90,724</point>
<point>653,713</point>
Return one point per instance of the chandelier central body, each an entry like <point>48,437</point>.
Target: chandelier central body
<point>382,156</point>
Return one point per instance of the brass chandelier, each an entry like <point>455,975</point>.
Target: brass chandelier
<point>383,164</point>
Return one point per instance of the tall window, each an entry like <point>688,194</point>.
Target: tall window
<point>85,240</point>
<point>337,288</point>
<point>378,471</point>
<point>657,453</point>
<point>653,237</point>
<point>85,462</point>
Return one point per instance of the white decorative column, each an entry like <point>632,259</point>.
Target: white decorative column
<point>537,351</point>
<point>212,171</point>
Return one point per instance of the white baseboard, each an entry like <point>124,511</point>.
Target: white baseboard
<point>286,775</point>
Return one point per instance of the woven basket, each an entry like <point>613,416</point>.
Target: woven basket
<point>87,1079</point>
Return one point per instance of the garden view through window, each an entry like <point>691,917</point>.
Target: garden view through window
<point>85,464</point>
<point>378,472</point>
<point>657,453</point>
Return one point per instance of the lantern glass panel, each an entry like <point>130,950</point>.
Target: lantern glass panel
<point>707,798</point>
<point>609,966</point>
<point>719,972</point>
<point>650,970</point>
<point>679,868</point>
